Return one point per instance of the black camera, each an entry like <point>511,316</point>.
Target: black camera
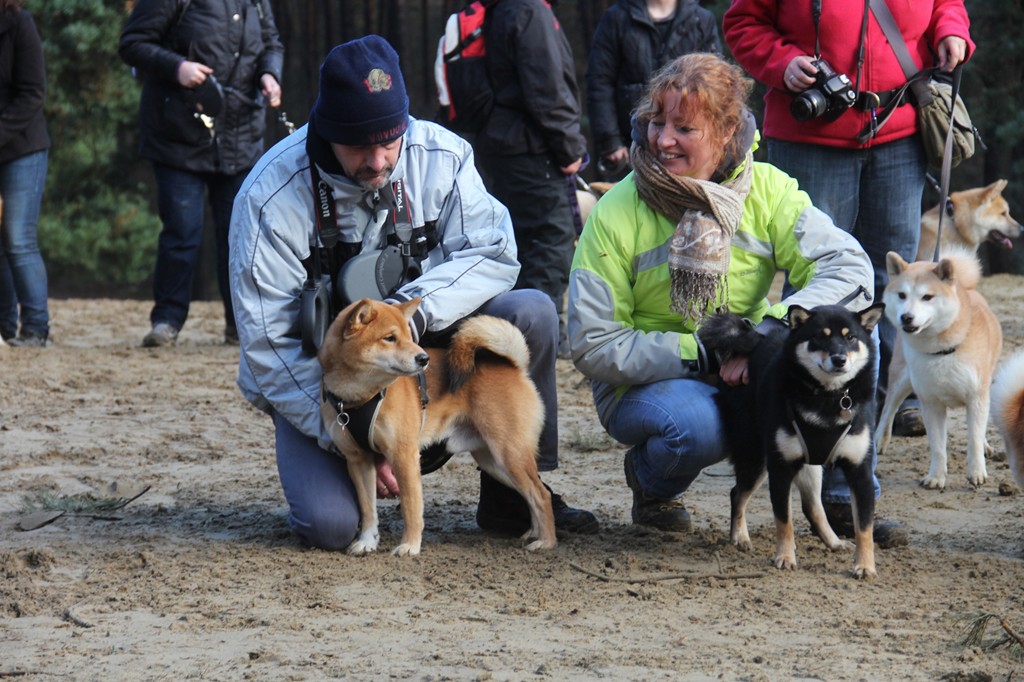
<point>831,95</point>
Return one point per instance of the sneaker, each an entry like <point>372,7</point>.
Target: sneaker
<point>668,514</point>
<point>28,340</point>
<point>162,334</point>
<point>908,422</point>
<point>503,510</point>
<point>231,335</point>
<point>887,534</point>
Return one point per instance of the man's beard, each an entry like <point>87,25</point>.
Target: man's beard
<point>371,180</point>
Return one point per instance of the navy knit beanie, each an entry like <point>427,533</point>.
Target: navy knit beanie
<point>362,98</point>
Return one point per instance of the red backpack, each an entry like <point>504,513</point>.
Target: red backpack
<point>464,89</point>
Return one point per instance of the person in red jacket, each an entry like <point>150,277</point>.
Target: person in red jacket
<point>872,189</point>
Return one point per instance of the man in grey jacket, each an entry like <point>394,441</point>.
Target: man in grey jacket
<point>337,179</point>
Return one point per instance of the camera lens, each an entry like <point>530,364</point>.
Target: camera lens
<point>807,105</point>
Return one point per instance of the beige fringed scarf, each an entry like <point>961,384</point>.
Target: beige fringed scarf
<point>708,214</point>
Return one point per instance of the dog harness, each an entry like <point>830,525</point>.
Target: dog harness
<point>359,422</point>
<point>845,412</point>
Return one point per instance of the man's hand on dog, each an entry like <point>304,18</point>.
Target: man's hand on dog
<point>387,484</point>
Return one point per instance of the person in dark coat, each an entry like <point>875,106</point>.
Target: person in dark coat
<point>208,69</point>
<point>24,152</point>
<point>633,39</point>
<point>529,146</point>
<point>532,143</point>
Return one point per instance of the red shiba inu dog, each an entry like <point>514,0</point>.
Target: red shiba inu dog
<point>476,396</point>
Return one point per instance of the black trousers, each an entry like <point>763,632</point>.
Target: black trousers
<point>537,197</point>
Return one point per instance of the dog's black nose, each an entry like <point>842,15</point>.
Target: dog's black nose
<point>838,361</point>
<point>906,318</point>
<point>422,359</point>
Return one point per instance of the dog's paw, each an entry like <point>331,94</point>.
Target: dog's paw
<point>787,563</point>
<point>364,544</point>
<point>978,477</point>
<point>538,545</point>
<point>840,545</point>
<point>743,544</point>
<point>933,482</point>
<point>864,572</point>
<point>407,549</point>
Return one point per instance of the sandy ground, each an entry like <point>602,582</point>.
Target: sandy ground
<point>200,578</point>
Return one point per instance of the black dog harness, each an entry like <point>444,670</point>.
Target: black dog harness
<point>845,412</point>
<point>360,421</point>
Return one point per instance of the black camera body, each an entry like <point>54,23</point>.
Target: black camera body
<point>831,95</point>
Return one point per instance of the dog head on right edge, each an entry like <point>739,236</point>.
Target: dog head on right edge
<point>925,298</point>
<point>370,343</point>
<point>831,343</point>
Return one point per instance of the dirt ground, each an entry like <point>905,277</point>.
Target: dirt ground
<point>200,577</point>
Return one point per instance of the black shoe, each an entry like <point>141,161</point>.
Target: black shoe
<point>887,534</point>
<point>29,340</point>
<point>908,422</point>
<point>664,514</point>
<point>503,510</point>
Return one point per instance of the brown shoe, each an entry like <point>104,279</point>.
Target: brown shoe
<point>664,514</point>
<point>887,534</point>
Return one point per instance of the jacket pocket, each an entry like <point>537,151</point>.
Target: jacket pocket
<point>177,122</point>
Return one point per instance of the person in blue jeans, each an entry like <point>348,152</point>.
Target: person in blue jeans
<point>208,68</point>
<point>24,145</point>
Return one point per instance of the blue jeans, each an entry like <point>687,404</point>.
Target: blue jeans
<point>180,201</point>
<point>676,432</point>
<point>323,509</point>
<point>22,271</point>
<point>874,194</point>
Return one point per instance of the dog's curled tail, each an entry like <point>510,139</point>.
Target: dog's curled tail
<point>727,335</point>
<point>1008,411</point>
<point>485,333</point>
<point>966,266</point>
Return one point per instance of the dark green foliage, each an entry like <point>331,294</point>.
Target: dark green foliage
<point>96,227</point>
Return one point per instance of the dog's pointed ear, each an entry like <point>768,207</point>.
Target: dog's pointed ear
<point>869,317</point>
<point>894,264</point>
<point>995,189</point>
<point>797,316</point>
<point>409,307</point>
<point>362,314</point>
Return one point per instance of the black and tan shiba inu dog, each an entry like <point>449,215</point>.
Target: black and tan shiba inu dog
<point>809,404</point>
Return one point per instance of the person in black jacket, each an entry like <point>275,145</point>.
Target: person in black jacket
<point>208,67</point>
<point>532,141</point>
<point>633,39</point>
<point>530,144</point>
<point>24,152</point>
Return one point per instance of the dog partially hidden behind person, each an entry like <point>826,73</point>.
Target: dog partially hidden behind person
<point>810,402</point>
<point>979,215</point>
<point>1008,411</point>
<point>476,396</point>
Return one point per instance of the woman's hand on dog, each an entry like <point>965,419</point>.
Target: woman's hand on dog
<point>734,371</point>
<point>387,484</point>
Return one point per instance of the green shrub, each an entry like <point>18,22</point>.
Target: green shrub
<point>97,228</point>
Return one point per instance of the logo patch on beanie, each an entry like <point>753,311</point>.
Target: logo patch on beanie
<point>377,81</point>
